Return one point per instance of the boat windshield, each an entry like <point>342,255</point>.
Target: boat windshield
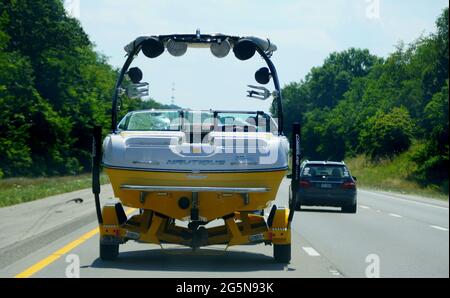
<point>151,121</point>
<point>202,121</point>
<point>199,119</point>
<point>246,121</point>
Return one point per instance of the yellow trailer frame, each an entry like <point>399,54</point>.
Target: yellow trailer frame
<point>239,228</point>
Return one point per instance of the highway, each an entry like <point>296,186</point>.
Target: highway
<point>403,236</point>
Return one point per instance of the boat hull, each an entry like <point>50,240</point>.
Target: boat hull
<point>212,205</point>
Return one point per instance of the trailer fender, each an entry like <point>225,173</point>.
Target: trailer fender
<point>281,233</point>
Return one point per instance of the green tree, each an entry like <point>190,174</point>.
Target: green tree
<point>53,89</point>
<point>328,83</point>
<point>356,103</point>
<point>387,134</point>
<point>433,157</point>
<point>324,87</point>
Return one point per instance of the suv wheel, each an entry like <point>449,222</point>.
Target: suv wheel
<point>351,209</point>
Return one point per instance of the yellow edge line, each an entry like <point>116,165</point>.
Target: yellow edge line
<point>62,251</point>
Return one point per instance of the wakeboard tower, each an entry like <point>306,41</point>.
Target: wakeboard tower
<point>196,167</point>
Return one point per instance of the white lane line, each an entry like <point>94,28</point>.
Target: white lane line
<point>364,207</point>
<point>440,228</point>
<point>335,272</point>
<point>395,215</point>
<point>311,251</point>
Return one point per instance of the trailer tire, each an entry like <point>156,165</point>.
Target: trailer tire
<point>109,252</point>
<point>282,253</point>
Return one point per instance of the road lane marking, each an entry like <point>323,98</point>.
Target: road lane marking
<point>335,272</point>
<point>311,251</point>
<point>364,207</point>
<point>440,228</point>
<point>395,215</point>
<point>60,252</point>
<point>56,255</point>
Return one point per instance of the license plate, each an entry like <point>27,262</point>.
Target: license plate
<point>258,237</point>
<point>326,185</point>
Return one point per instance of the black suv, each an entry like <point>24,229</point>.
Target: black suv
<point>326,183</point>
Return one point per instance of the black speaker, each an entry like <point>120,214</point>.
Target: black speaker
<point>244,49</point>
<point>152,48</point>
<point>135,75</point>
<point>262,76</point>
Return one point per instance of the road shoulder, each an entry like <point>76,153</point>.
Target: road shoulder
<point>30,226</point>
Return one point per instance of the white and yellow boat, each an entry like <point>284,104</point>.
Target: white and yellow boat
<point>195,166</point>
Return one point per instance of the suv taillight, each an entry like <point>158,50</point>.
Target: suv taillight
<point>349,185</point>
<point>304,184</point>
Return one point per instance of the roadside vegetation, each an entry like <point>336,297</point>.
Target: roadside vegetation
<point>394,111</point>
<point>388,116</point>
<point>396,174</point>
<point>54,88</point>
<point>20,190</point>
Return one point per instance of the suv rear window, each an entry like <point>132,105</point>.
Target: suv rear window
<point>334,171</point>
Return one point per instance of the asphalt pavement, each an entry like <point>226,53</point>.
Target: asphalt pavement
<point>392,235</point>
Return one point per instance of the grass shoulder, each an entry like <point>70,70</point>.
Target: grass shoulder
<point>395,175</point>
<point>20,190</point>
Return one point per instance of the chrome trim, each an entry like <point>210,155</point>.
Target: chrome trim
<point>195,189</point>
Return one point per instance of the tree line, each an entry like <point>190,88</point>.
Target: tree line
<point>358,103</point>
<point>54,88</point>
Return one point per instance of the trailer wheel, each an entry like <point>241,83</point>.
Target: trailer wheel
<point>282,253</point>
<point>109,252</point>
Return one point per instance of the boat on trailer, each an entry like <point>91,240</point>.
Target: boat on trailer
<point>196,167</point>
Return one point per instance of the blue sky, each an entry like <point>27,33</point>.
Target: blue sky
<point>305,31</point>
